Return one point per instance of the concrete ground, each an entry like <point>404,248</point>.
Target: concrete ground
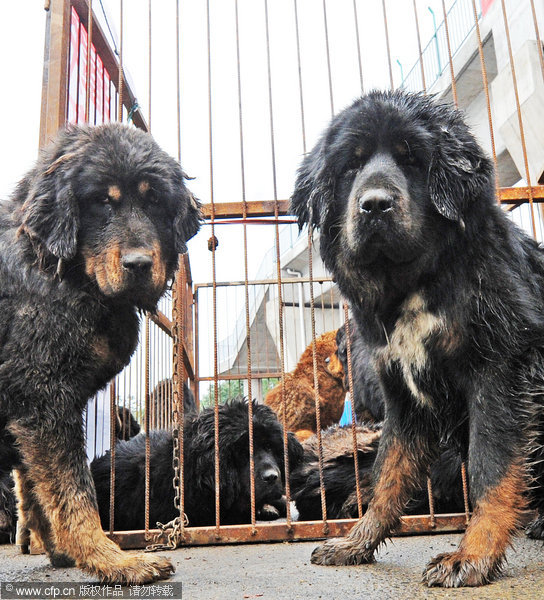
<point>284,572</point>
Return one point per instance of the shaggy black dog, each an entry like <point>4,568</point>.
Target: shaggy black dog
<point>90,237</point>
<point>199,470</point>
<point>447,293</point>
<point>366,395</point>
<point>340,482</point>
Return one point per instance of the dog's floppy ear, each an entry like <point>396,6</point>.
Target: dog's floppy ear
<point>188,218</point>
<point>314,188</point>
<point>295,451</point>
<point>459,172</point>
<point>50,213</point>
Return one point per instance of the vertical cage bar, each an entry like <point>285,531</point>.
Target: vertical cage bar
<point>246,277</point>
<point>278,266</point>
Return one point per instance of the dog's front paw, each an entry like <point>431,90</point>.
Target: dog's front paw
<point>268,513</point>
<point>453,569</point>
<point>136,569</point>
<point>340,552</point>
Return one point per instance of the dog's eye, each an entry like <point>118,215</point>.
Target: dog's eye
<point>327,360</point>
<point>404,156</point>
<point>408,160</point>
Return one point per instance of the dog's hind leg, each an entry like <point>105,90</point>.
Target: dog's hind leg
<point>55,461</point>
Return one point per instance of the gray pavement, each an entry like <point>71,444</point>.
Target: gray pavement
<point>284,572</point>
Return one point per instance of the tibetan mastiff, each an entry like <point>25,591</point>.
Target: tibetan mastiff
<point>89,239</point>
<point>300,415</point>
<point>199,471</point>
<point>448,294</point>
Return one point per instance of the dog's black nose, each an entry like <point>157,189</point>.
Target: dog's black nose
<point>270,475</point>
<point>136,262</point>
<point>376,202</point>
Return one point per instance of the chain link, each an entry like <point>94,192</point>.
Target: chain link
<point>177,525</point>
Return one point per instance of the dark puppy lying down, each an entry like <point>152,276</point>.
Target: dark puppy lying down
<point>339,476</point>
<point>199,470</point>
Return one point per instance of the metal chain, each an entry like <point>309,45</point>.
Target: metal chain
<point>176,526</point>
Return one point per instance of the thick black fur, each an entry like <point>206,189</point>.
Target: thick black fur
<point>199,470</point>
<point>366,395</point>
<point>90,237</point>
<point>340,482</point>
<point>448,295</point>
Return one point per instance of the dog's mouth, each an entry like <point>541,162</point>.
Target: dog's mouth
<point>383,248</point>
<point>135,274</point>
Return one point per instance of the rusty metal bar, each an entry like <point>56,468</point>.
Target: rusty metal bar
<point>297,531</point>
<point>420,54</point>
<point>113,416</point>
<point>485,83</point>
<point>316,391</point>
<point>246,285</point>
<point>55,72</point>
<point>121,75</point>
<point>162,321</point>
<point>285,280</point>
<point>450,56</point>
<point>89,61</point>
<point>265,208</point>
<point>278,263</point>
<point>328,54</point>
<point>386,29</point>
<point>147,343</point>
<point>358,44</point>
<point>108,58</point>
<point>349,357</point>
<point>520,118</point>
<point>300,87</point>
<point>242,376</point>
<point>256,208</point>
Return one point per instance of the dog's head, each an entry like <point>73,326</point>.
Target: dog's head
<point>268,456</point>
<point>108,202</point>
<point>391,171</point>
<point>234,453</point>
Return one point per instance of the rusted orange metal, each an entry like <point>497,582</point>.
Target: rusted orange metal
<point>265,208</point>
<point>299,531</point>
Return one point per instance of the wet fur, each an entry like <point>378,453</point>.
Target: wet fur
<point>447,293</point>
<point>70,300</point>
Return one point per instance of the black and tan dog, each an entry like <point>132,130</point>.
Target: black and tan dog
<point>448,294</point>
<point>90,237</point>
